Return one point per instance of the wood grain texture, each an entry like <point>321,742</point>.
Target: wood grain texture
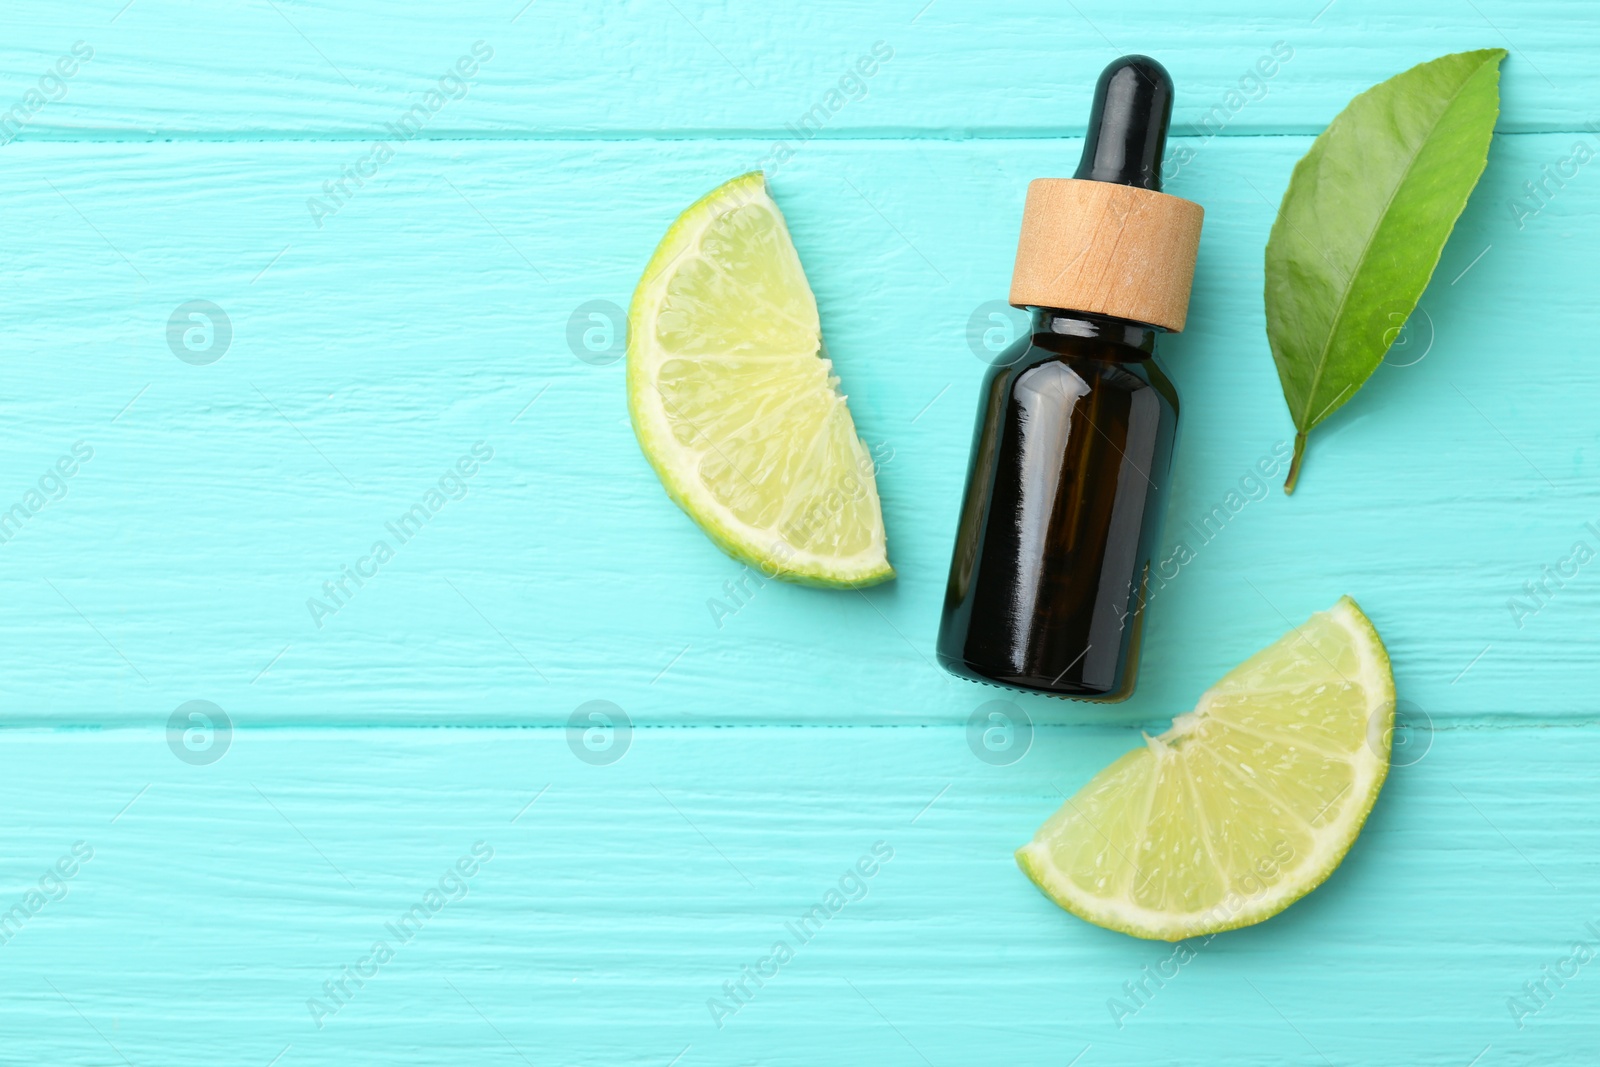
<point>1107,249</point>
<point>619,902</point>
<point>432,310</point>
<point>960,68</point>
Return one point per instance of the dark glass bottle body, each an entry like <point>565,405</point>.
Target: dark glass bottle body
<point>1066,492</point>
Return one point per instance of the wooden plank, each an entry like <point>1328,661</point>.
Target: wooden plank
<point>219,899</point>
<point>432,313</point>
<point>293,68</point>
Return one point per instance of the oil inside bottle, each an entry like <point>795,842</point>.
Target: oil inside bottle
<point>1065,494</point>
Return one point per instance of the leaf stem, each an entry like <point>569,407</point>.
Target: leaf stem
<point>1294,464</point>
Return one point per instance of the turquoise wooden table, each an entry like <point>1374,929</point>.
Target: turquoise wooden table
<point>404,271</point>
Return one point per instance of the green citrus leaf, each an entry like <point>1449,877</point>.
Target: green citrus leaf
<point>1363,222</point>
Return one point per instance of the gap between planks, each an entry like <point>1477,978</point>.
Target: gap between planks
<point>931,134</point>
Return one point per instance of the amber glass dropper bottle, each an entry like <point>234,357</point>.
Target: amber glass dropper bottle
<point>1076,422</point>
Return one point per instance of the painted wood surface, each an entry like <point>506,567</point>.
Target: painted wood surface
<point>373,342</point>
<point>431,313</point>
<point>620,898</point>
<point>272,69</point>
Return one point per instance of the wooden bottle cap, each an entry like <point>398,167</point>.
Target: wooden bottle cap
<point>1107,249</point>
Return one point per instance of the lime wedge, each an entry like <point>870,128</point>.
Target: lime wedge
<point>1245,805</point>
<point>735,407</point>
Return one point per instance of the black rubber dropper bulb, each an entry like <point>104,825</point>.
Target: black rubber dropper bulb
<point>1128,124</point>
